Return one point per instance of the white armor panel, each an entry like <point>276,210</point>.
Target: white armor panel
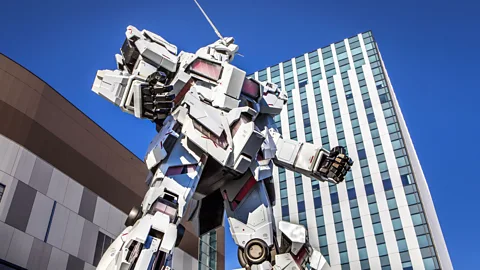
<point>266,265</point>
<point>262,169</point>
<point>231,81</point>
<point>259,221</point>
<point>158,54</point>
<point>169,238</point>
<point>110,84</point>
<point>144,69</point>
<point>158,39</point>
<point>269,148</point>
<point>147,253</point>
<point>108,259</point>
<point>156,151</point>
<point>273,99</point>
<point>296,233</point>
<point>285,261</point>
<point>317,261</point>
<point>208,117</point>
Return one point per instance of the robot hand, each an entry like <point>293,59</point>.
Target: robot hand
<point>157,102</point>
<point>140,84</point>
<point>336,165</point>
<point>148,98</point>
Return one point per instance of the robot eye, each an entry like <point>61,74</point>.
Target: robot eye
<point>207,69</point>
<point>251,89</point>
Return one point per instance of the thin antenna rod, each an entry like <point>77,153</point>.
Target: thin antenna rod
<point>208,19</point>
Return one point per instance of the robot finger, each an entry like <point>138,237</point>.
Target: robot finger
<point>163,104</point>
<point>159,90</point>
<point>164,97</point>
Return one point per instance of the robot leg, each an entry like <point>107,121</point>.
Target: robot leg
<point>253,229</point>
<point>153,232</point>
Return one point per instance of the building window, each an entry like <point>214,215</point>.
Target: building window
<point>387,184</point>
<point>371,118</point>
<point>301,206</point>
<point>361,153</point>
<point>369,189</point>
<point>208,251</point>
<point>334,198</point>
<point>4,265</point>
<point>103,242</point>
<point>351,194</point>
<point>2,190</point>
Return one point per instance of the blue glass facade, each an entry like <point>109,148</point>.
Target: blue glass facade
<point>375,219</point>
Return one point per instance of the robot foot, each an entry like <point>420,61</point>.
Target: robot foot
<point>296,252</point>
<point>149,241</point>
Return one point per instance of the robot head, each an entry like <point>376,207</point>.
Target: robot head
<point>225,46</point>
<point>221,50</point>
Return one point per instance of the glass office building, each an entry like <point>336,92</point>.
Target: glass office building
<point>208,251</point>
<point>382,216</point>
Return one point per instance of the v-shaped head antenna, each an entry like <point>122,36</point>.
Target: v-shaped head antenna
<point>214,28</point>
<point>208,19</point>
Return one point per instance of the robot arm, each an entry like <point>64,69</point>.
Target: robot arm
<point>139,85</point>
<point>141,97</point>
<point>311,160</point>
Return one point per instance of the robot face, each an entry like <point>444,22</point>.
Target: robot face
<point>226,46</point>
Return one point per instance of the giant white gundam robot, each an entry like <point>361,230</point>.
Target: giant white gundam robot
<point>214,152</point>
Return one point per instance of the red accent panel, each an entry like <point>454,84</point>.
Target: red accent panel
<point>244,191</point>
<point>203,159</point>
<point>208,138</point>
<point>300,256</point>
<point>224,194</point>
<point>183,169</point>
<point>183,92</point>
<point>174,170</point>
<point>232,205</point>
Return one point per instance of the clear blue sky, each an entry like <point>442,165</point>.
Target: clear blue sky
<point>431,50</point>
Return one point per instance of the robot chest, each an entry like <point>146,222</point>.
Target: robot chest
<point>219,97</point>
